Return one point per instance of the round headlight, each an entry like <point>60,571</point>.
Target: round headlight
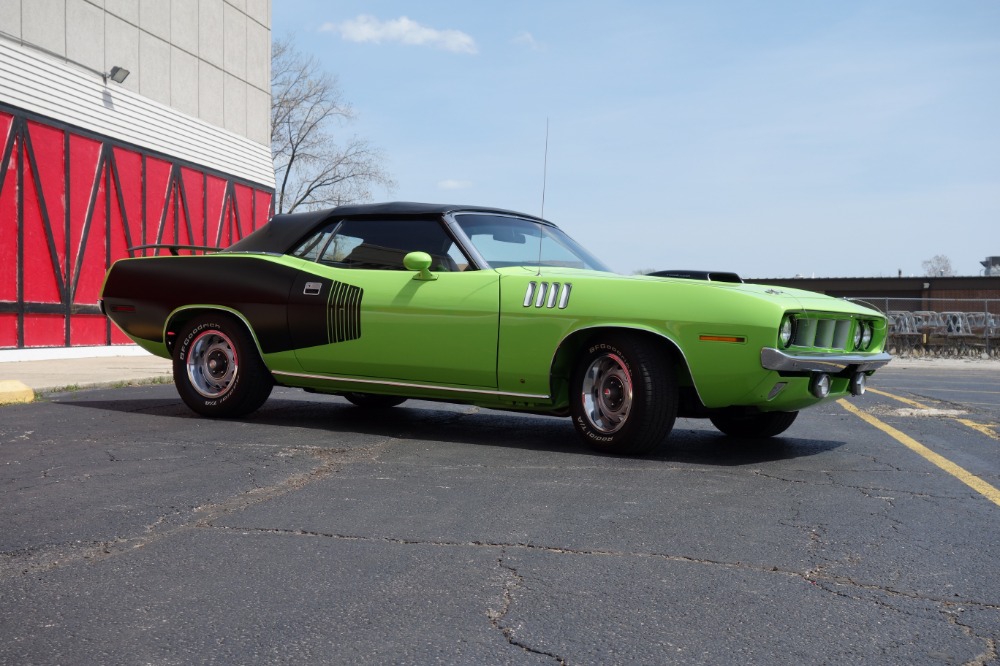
<point>786,331</point>
<point>866,335</point>
<point>858,328</point>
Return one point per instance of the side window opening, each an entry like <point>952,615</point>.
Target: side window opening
<point>458,259</point>
<point>374,244</point>
<point>312,247</point>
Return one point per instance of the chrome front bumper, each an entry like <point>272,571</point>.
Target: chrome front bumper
<point>775,359</point>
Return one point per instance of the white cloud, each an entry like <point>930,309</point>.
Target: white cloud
<point>367,28</point>
<point>452,184</point>
<point>525,38</point>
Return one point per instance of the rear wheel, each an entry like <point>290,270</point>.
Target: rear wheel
<point>624,394</point>
<point>766,424</point>
<point>374,400</point>
<point>217,369</point>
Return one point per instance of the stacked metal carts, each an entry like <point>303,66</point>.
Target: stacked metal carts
<point>961,328</point>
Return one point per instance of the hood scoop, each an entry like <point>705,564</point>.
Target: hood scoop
<point>711,276</point>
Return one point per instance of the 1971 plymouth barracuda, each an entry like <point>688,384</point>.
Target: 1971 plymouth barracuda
<point>383,302</point>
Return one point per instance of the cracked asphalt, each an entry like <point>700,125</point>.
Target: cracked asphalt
<point>134,532</point>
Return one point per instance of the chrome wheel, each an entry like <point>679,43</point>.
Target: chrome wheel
<point>212,364</point>
<point>624,393</point>
<point>217,368</point>
<point>606,392</point>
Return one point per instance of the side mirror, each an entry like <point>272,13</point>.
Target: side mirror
<point>420,262</point>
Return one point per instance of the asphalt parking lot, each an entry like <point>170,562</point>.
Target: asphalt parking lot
<point>315,532</point>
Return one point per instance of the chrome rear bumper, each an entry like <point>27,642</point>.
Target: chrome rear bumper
<point>775,359</point>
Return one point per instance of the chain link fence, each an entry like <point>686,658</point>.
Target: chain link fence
<point>950,327</point>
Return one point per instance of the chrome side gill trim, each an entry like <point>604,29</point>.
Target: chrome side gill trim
<point>414,385</point>
<point>529,294</point>
<point>564,295</point>
<point>547,295</point>
<point>553,293</point>
<point>543,289</point>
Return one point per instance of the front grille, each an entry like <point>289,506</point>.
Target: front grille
<point>822,333</point>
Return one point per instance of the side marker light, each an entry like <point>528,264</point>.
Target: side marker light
<point>722,338</point>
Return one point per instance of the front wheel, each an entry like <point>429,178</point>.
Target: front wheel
<point>624,394</point>
<point>217,369</point>
<point>754,426</point>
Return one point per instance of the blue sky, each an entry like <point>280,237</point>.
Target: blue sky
<point>770,138</point>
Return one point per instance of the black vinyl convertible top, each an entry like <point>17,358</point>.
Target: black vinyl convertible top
<point>283,231</point>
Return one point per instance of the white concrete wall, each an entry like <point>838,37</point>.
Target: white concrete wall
<point>210,59</point>
<point>43,85</point>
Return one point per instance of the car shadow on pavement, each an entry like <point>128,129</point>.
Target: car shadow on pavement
<point>460,424</point>
<point>707,446</point>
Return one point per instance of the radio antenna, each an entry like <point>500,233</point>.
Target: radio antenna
<point>545,170</point>
<point>545,166</point>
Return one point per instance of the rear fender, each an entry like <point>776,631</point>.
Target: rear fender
<point>182,315</point>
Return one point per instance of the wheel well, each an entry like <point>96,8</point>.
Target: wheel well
<point>179,319</point>
<point>574,344</point>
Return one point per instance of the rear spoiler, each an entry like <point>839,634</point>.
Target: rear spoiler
<point>173,248</point>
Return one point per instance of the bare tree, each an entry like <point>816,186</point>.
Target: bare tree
<point>313,170</point>
<point>938,266</point>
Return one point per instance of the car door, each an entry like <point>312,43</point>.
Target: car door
<point>360,313</point>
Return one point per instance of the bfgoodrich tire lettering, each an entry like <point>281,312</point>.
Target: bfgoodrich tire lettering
<point>217,369</point>
<point>624,394</point>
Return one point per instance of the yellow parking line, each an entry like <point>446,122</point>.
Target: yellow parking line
<point>969,479</point>
<point>958,390</point>
<point>912,403</point>
<point>978,427</point>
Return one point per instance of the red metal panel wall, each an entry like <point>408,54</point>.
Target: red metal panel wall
<point>8,237</point>
<point>71,203</point>
<point>215,198</point>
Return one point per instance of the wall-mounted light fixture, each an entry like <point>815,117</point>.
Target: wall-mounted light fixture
<point>117,74</point>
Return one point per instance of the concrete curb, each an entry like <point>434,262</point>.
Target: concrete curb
<point>68,353</point>
<point>15,392</point>
<point>56,375</point>
<point>118,383</point>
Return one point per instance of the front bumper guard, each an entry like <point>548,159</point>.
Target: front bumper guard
<point>835,364</point>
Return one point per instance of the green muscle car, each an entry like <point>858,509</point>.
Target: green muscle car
<point>383,302</point>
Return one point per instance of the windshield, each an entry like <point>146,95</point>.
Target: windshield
<point>503,240</point>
